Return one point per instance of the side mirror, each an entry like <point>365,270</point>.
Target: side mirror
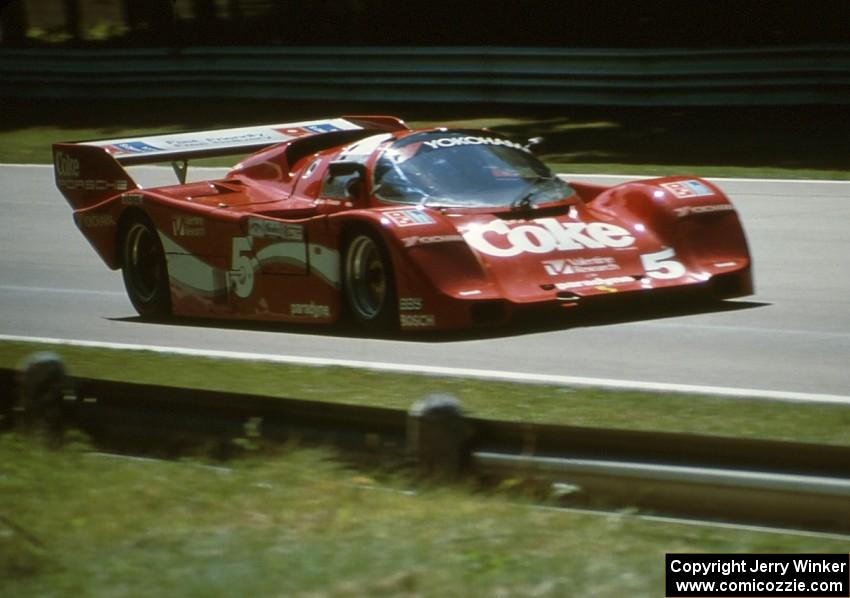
<point>345,180</point>
<point>354,188</point>
<point>346,168</point>
<point>534,144</point>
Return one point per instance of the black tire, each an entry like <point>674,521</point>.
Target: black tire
<point>144,268</point>
<point>368,282</point>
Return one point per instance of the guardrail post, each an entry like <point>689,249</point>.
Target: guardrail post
<point>437,436</point>
<point>41,386</point>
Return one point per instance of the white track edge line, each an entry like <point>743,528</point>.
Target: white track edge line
<point>456,372</point>
<point>563,174</point>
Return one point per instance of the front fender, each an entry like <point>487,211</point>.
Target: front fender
<point>687,213</point>
<point>433,265</point>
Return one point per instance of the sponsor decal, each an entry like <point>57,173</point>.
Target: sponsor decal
<point>409,217</point>
<point>294,131</point>
<point>311,310</point>
<point>96,220</point>
<point>692,188</point>
<point>546,235</point>
<point>133,147</point>
<point>410,304</point>
<point>445,142</point>
<point>417,320</point>
<point>245,138</point>
<point>132,199</point>
<point>93,185</point>
<point>602,284</point>
<point>322,128</point>
<point>413,241</point>
<point>67,166</point>
<point>580,265</point>
<point>68,172</point>
<point>188,226</point>
<point>689,210</point>
<point>260,228</point>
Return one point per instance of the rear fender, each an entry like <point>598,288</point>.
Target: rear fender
<point>103,224</point>
<point>201,230</point>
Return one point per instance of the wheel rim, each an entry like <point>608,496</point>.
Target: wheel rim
<point>143,259</point>
<point>366,277</point>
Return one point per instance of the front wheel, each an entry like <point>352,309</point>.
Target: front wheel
<point>144,269</point>
<point>368,283</point>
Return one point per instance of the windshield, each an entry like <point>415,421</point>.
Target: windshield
<point>456,168</point>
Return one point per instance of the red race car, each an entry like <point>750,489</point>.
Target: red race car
<point>362,217</point>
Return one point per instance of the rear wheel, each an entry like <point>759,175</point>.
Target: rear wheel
<point>144,269</point>
<point>368,282</point>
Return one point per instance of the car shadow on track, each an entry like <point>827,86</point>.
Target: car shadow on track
<point>532,322</point>
<point>553,320</point>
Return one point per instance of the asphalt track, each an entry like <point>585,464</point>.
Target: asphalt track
<point>792,335</point>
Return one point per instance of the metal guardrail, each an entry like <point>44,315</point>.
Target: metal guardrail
<point>615,77</point>
<point>754,481</point>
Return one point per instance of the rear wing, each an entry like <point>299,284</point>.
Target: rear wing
<point>91,171</point>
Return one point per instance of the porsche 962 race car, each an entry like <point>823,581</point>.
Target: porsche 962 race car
<point>364,218</point>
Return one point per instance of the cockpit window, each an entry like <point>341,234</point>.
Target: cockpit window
<point>457,168</point>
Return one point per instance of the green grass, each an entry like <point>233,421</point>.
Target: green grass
<point>296,523</point>
<point>780,142</point>
<point>826,424</point>
<point>32,145</point>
